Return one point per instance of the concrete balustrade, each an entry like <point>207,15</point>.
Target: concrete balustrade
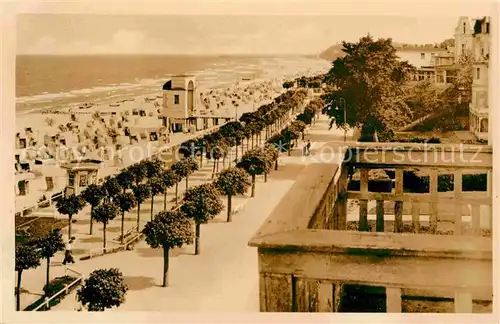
<point>308,258</point>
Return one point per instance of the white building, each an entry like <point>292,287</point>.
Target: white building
<point>422,58</point>
<point>182,110</point>
<point>179,103</point>
<point>479,107</point>
<point>463,37</point>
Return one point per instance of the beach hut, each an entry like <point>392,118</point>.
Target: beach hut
<point>80,174</point>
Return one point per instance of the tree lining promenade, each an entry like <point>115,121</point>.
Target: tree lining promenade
<point>94,242</point>
<point>224,276</point>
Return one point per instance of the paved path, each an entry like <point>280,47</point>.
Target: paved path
<point>33,280</point>
<point>224,277</point>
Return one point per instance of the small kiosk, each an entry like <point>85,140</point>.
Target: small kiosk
<point>80,175</point>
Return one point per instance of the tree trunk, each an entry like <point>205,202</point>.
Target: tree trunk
<point>47,278</point>
<point>123,224</point>
<point>229,207</point>
<point>187,181</point>
<point>236,157</point>
<point>176,193</point>
<point>138,214</point>
<point>201,160</point>
<point>289,149</point>
<point>217,165</point>
<point>91,222</point>
<point>223,162</point>
<point>242,146</point>
<point>253,185</point>
<point>165,200</point>
<point>197,239</point>
<point>213,171</point>
<point>265,177</point>
<point>18,290</point>
<point>152,205</point>
<point>276,164</point>
<point>165,265</point>
<point>70,218</point>
<point>104,237</point>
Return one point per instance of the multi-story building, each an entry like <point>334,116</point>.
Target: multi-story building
<point>422,59</point>
<point>478,107</point>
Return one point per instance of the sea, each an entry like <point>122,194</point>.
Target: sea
<point>61,82</point>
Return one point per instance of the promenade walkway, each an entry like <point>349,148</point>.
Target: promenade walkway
<point>33,280</point>
<point>224,276</point>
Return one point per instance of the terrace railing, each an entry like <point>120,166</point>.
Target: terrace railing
<point>66,289</point>
<point>313,249</point>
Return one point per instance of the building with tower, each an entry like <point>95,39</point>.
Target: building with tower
<point>479,107</point>
<point>179,104</point>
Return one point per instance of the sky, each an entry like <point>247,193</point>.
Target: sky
<point>62,34</point>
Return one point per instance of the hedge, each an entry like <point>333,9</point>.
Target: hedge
<point>50,290</point>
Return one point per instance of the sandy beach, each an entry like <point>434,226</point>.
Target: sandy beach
<point>87,130</point>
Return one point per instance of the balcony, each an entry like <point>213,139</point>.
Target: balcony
<point>324,249</point>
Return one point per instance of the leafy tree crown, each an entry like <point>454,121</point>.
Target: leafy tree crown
<point>233,181</point>
<point>112,187</point>
<point>93,194</point>
<point>50,244</point>
<point>141,192</point>
<point>70,205</point>
<point>254,162</point>
<point>202,203</point>
<point>105,212</point>
<point>157,185</point>
<point>170,178</point>
<point>170,228</point>
<point>27,257</point>
<point>185,167</point>
<point>104,288</point>
<point>125,201</point>
<point>125,178</point>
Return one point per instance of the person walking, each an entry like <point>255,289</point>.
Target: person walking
<point>68,258</point>
<point>308,148</point>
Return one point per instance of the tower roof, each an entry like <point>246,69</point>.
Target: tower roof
<point>167,85</point>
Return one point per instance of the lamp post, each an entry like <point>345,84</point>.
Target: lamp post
<point>345,117</point>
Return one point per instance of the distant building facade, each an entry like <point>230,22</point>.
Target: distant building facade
<point>422,58</point>
<point>479,107</point>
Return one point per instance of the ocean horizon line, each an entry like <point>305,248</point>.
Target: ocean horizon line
<point>277,55</point>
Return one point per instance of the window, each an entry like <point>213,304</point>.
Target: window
<point>464,27</point>
<point>463,49</point>
<point>432,54</point>
<point>176,99</point>
<point>422,56</point>
<point>83,180</point>
<point>478,73</point>
<point>71,181</point>
<point>482,52</point>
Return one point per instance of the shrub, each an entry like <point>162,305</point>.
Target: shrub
<point>57,285</point>
<point>50,290</point>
